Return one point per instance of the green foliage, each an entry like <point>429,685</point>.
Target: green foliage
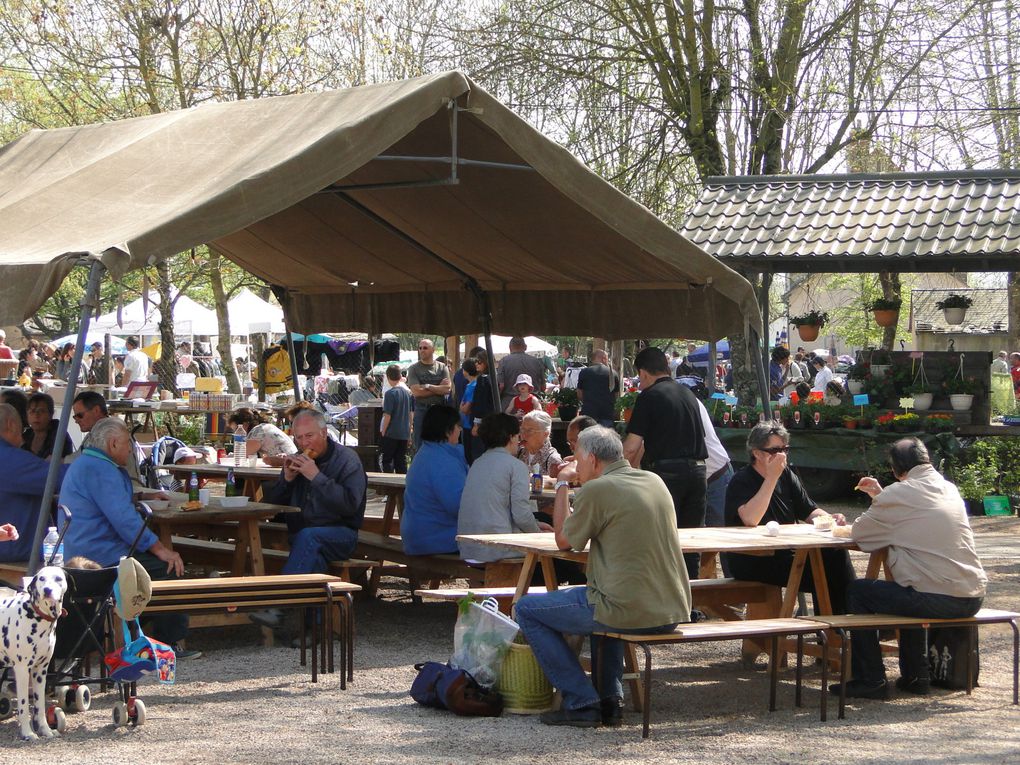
<point>852,319</point>
<point>955,301</point>
<point>626,401</point>
<point>565,397</point>
<point>812,318</point>
<point>883,304</point>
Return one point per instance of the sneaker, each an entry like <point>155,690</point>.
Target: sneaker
<point>585,717</point>
<point>270,617</point>
<point>612,711</point>
<point>863,689</point>
<point>186,653</point>
<point>919,686</point>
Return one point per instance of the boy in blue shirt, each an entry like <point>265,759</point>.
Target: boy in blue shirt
<point>470,371</point>
<point>396,423</point>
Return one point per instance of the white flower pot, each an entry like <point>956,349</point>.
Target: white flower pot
<point>961,402</point>
<point>855,387</point>
<point>922,402</point>
<point>879,370</point>
<point>954,315</point>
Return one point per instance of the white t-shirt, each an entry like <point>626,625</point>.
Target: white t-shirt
<point>823,378</point>
<point>136,364</point>
<point>718,457</point>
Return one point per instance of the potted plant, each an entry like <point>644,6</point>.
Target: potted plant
<point>809,324</point>
<point>906,423</point>
<point>922,396</point>
<point>849,422</point>
<point>886,311</point>
<point>884,421</point>
<point>938,423</point>
<point>624,405</point>
<point>857,377</point>
<point>954,307</point>
<point>961,392</point>
<point>566,403</point>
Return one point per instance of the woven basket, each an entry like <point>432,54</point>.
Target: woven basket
<point>523,684</point>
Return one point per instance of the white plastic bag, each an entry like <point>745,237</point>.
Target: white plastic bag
<point>481,639</point>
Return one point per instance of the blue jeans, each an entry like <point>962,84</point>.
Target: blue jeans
<point>546,618</point>
<point>877,596</point>
<point>715,507</point>
<point>312,548</point>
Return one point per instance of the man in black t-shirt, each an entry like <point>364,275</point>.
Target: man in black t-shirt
<point>597,388</point>
<point>665,435</point>
<point>767,490</point>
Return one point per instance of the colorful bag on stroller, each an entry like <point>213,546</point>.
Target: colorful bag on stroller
<point>142,655</point>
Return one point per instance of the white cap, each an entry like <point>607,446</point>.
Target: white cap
<point>524,380</point>
<point>183,452</point>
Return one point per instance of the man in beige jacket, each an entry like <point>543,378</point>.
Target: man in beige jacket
<point>936,572</point>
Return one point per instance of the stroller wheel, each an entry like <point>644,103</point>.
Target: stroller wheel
<point>56,718</point>
<point>82,698</point>
<point>6,705</point>
<point>120,714</point>
<point>139,716</point>
<point>64,697</point>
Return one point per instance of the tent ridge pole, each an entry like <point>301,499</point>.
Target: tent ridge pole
<point>88,305</point>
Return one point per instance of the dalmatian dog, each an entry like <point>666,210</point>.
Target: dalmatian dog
<point>27,636</point>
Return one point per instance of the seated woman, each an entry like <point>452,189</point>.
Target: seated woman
<point>536,450</point>
<point>767,490</point>
<point>435,482</point>
<point>41,433</point>
<point>497,494</point>
<point>264,438</point>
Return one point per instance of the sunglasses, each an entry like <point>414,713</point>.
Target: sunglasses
<point>776,450</point>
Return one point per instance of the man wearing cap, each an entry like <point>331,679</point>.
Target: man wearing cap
<point>518,363</point>
<point>99,366</point>
<point>597,389</point>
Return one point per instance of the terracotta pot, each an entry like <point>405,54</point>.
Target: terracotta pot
<point>627,413</point>
<point>954,315</point>
<point>886,318</point>
<point>922,402</point>
<point>808,332</point>
<point>961,402</point>
<point>850,424</point>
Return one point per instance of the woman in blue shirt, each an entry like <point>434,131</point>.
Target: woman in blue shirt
<point>435,480</point>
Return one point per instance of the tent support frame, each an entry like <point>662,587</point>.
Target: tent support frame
<point>288,330</point>
<point>89,303</point>
<point>470,283</point>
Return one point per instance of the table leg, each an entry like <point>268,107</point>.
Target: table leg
<point>707,568</point>
<point>823,605</point>
<point>793,583</point>
<point>254,543</point>
<point>253,488</point>
<point>527,572</point>
<point>549,573</point>
<point>389,512</point>
<point>165,534</point>
<point>876,562</point>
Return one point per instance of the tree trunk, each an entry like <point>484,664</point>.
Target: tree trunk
<point>891,289</point>
<point>166,366</point>
<point>223,323</point>
<point>1013,293</point>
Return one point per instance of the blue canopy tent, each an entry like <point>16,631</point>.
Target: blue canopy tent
<point>700,356</point>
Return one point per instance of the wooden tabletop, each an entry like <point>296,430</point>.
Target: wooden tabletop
<point>215,513</point>
<point>710,539</point>
<point>260,470</point>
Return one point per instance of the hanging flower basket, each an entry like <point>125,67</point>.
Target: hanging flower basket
<point>961,402</point>
<point>886,318</point>
<point>886,311</point>
<point>809,324</point>
<point>922,401</point>
<point>954,308</point>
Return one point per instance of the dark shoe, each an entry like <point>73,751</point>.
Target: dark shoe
<point>270,617</point>
<point>612,711</point>
<point>919,686</point>
<point>863,689</point>
<point>186,653</point>
<point>585,717</point>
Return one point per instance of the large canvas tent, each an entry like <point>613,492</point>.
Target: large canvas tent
<point>420,205</point>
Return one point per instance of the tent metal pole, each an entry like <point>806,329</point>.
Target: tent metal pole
<point>763,299</point>
<point>88,308</point>
<point>281,294</point>
<point>759,365</point>
<point>483,304</point>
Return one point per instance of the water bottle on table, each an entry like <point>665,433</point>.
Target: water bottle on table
<point>240,447</point>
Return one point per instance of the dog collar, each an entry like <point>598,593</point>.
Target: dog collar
<point>47,617</point>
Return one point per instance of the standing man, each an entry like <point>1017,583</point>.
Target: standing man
<point>636,582</point>
<point>99,366</point>
<point>429,381</point>
<point>513,366</point>
<point>1000,366</point>
<point>21,485</point>
<point>597,389</point>
<point>136,363</point>
<point>935,568</point>
<point>665,435</point>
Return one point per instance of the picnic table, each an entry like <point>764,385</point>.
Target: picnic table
<point>251,475</point>
<point>248,543</point>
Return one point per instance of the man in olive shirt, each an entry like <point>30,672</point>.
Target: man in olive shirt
<point>637,581</point>
<point>429,381</point>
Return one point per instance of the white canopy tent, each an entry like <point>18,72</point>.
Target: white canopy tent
<point>190,318</point>
<point>250,314</point>
<point>536,346</point>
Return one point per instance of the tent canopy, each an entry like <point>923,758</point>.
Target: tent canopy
<point>311,193</point>
<point>700,356</point>
<point>536,346</point>
<point>190,318</point>
<point>249,314</point>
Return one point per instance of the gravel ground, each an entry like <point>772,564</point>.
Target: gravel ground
<point>243,703</point>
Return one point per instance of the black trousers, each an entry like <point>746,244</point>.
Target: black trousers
<point>775,569</point>
<point>393,454</point>
<point>688,485</point>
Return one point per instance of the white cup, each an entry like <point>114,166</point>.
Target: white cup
<point>203,496</point>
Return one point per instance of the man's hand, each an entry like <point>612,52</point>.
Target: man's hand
<point>543,526</point>
<point>839,519</point>
<point>290,471</point>
<point>869,486</point>
<point>567,472</point>
<point>302,465</point>
<point>8,533</point>
<point>277,461</point>
<point>144,495</point>
<point>173,560</point>
<point>775,465</point>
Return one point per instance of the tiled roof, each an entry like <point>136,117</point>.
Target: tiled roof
<point>922,221</point>
<point>988,314</point>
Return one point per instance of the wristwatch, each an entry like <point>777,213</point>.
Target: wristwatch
<point>562,483</point>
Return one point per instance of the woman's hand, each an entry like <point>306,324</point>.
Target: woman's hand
<point>8,533</point>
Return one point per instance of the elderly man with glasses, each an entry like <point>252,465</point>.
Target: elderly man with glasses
<point>89,409</point>
<point>767,490</point>
<point>429,381</point>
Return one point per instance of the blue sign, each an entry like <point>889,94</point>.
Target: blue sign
<point>721,396</point>
<point>731,400</point>
<point>861,399</point>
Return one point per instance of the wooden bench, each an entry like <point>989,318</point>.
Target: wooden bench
<point>699,632</point>
<point>844,624</point>
<point>215,553</point>
<point>13,571</point>
<point>320,592</point>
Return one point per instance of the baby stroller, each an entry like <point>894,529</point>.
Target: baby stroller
<point>163,451</point>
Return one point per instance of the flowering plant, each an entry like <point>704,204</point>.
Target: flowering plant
<point>812,318</point>
<point>959,384</point>
<point>939,422</point>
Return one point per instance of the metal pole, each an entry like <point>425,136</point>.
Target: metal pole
<point>483,301</point>
<point>763,380</point>
<point>88,306</point>
<point>766,283</point>
<point>711,366</point>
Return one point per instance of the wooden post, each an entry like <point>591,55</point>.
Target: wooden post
<point>470,341</point>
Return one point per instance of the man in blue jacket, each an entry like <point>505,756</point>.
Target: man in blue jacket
<point>327,481</point>
<point>21,488</point>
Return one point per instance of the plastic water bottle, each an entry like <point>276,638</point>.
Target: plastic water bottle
<point>240,447</point>
<point>51,550</point>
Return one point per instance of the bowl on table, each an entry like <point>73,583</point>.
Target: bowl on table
<point>157,504</point>
<point>233,501</point>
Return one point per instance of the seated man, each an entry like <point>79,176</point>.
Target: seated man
<point>767,490</point>
<point>98,492</point>
<point>934,565</point>
<point>89,408</point>
<point>637,580</point>
<point>327,481</point>
<point>21,486</point>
